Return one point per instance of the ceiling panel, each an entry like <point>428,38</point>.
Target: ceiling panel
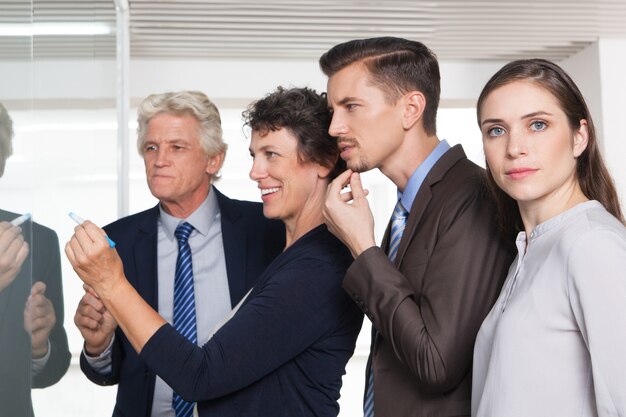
<point>455,30</point>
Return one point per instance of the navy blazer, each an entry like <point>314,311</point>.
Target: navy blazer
<point>250,243</point>
<point>284,352</point>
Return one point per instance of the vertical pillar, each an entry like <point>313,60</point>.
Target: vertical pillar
<point>599,72</point>
<point>613,86</point>
<point>123,105</point>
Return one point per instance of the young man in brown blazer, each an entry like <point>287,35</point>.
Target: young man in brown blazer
<point>442,260</point>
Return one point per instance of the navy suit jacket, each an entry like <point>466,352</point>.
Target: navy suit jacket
<point>250,243</point>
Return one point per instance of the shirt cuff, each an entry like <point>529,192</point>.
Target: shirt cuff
<point>37,364</point>
<point>102,363</point>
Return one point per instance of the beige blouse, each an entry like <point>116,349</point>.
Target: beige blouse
<point>554,344</point>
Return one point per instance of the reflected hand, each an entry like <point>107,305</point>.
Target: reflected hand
<point>13,252</point>
<point>96,263</point>
<point>348,215</point>
<point>39,319</point>
<point>94,322</point>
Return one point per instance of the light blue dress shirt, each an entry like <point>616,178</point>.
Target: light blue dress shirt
<point>417,178</point>
<point>211,289</point>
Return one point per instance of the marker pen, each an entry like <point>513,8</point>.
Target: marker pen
<point>21,219</point>
<point>80,220</point>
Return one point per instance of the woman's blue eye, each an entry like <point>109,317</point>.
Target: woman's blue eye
<point>495,131</point>
<point>538,126</point>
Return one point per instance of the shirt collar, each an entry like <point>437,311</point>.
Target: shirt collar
<point>417,178</point>
<point>201,219</point>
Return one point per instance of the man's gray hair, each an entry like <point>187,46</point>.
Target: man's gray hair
<point>193,103</point>
<point>6,137</point>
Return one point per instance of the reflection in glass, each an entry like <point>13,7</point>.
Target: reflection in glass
<point>33,342</point>
<point>15,268</point>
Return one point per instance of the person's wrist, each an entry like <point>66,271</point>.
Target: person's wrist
<point>38,352</point>
<point>108,289</point>
<point>96,350</point>
<point>361,246</point>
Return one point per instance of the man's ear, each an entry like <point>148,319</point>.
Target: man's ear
<point>414,104</point>
<point>581,138</point>
<point>214,163</point>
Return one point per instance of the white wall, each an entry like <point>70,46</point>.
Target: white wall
<point>613,83</point>
<point>584,68</point>
<point>225,80</point>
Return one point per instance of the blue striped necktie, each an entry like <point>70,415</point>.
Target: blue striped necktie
<point>184,304</point>
<point>398,222</point>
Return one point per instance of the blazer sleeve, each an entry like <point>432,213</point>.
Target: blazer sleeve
<point>430,309</point>
<point>294,308</point>
<point>116,359</point>
<point>47,268</point>
<point>597,293</point>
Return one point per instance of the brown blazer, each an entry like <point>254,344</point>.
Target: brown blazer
<point>428,306</point>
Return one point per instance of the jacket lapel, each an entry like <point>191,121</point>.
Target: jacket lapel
<point>385,242</point>
<point>145,256</point>
<point>424,194</point>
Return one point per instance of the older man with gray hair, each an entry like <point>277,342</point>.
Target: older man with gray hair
<point>192,257</point>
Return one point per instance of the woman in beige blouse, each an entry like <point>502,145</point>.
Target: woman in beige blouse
<point>554,342</point>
